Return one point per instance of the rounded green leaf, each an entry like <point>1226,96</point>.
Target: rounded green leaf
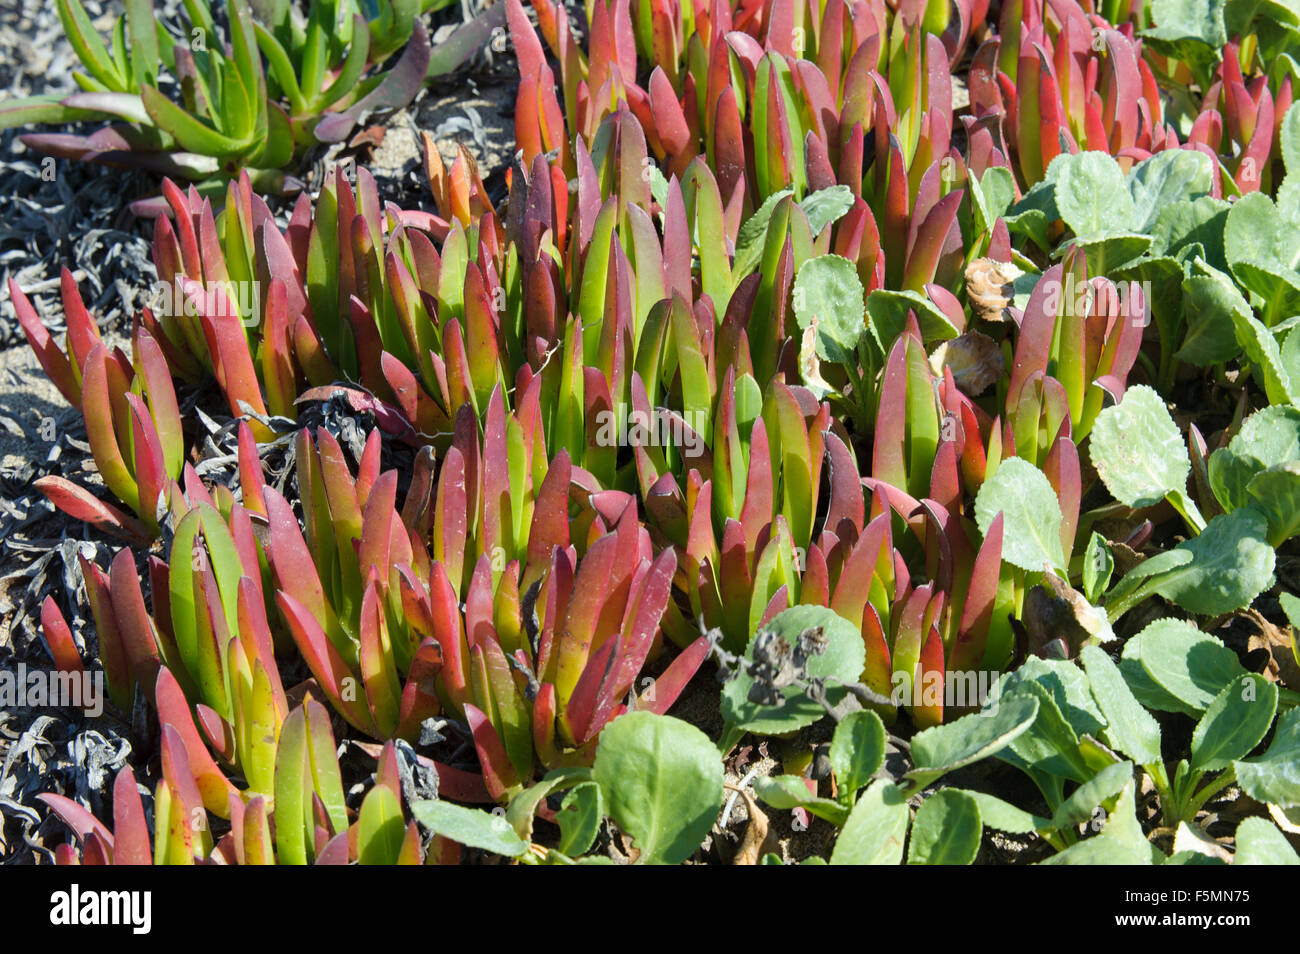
<point>857,749</point>
<point>1234,723</point>
<point>1276,493</point>
<point>843,660</point>
<point>1261,843</point>
<point>971,738</point>
<point>946,831</point>
<point>579,817</point>
<point>1092,196</point>
<point>1174,667</point>
<point>1138,451</point>
<point>995,813</point>
<point>1267,438</point>
<point>1031,515</point>
<point>828,296</point>
<point>826,206</point>
<point>1274,777</point>
<point>876,829</point>
<point>1232,564</point>
<point>662,782</point>
<point>1130,729</point>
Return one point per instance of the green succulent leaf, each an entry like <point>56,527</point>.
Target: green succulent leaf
<point>380,827</point>
<point>661,779</point>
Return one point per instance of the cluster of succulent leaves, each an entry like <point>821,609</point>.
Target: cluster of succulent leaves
<point>191,101</point>
<point>908,411</point>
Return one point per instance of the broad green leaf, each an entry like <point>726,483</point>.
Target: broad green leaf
<point>1168,177</point>
<point>1130,729</point>
<point>888,312</point>
<point>1083,801</point>
<point>1263,250</point>
<point>826,206</point>
<point>523,806</point>
<point>1232,563</point>
<point>1261,348</point>
<point>1276,494</point>
<point>1274,777</point>
<point>1211,302</point>
<point>662,782</point>
<point>1174,667</point>
<point>471,827</point>
<point>1051,745</point>
<point>579,817</point>
<point>1259,842</point>
<point>1267,438</point>
<point>1199,221</point>
<point>1189,30</point>
<point>752,235</point>
<point>992,195</point>
<point>857,749</point>
<point>995,813</point>
<point>1138,451</point>
<point>1031,515</point>
<point>944,748</point>
<point>1067,686</point>
<point>1234,723</point>
<point>843,660</point>
<point>946,831</point>
<point>784,792</point>
<point>1121,841</point>
<point>828,297</point>
<point>876,828</point>
<point>1092,197</point>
